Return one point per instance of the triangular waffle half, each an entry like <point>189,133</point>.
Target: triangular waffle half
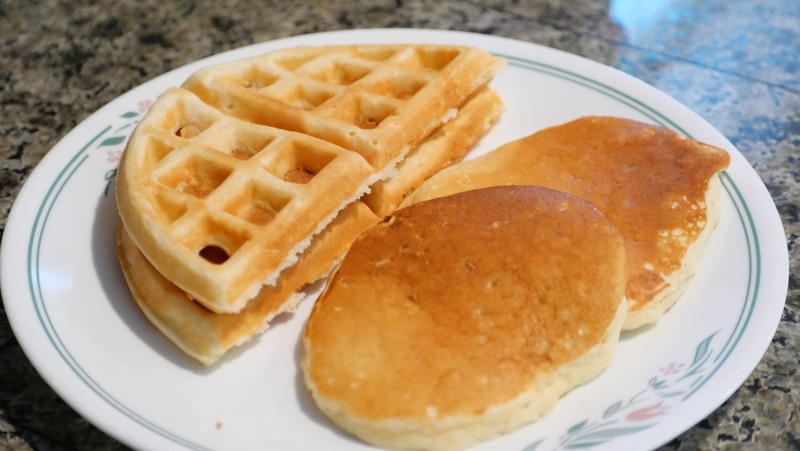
<point>220,206</point>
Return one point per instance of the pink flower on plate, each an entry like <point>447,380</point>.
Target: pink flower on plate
<point>145,105</point>
<point>114,155</point>
<point>672,368</point>
<point>645,413</point>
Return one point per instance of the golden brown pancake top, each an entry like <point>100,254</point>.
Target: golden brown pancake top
<point>648,180</point>
<point>456,304</point>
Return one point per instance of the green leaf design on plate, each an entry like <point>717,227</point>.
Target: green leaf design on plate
<point>657,384</point>
<point>702,349</point>
<point>113,141</point>
<point>128,125</point>
<point>671,394</point>
<point>701,355</point>
<point>577,427</point>
<point>612,409</point>
<point>602,436</point>
<point>588,435</point>
<point>533,446</point>
<point>130,114</point>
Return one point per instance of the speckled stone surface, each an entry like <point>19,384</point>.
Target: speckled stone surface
<point>734,62</point>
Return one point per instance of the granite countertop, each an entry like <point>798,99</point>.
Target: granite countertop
<point>735,62</point>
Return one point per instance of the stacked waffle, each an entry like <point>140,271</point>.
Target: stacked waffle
<point>247,183</point>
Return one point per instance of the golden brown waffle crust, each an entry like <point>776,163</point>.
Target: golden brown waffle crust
<point>376,100</point>
<point>178,196</point>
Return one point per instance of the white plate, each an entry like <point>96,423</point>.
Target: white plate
<point>72,314</point>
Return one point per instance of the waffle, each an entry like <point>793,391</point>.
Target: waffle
<point>224,183</point>
<point>220,206</point>
<point>465,317</point>
<point>376,100</point>
<point>206,336</point>
<point>446,146</point>
<point>660,189</point>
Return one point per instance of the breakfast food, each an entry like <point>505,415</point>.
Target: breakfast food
<point>223,183</point>
<point>206,335</point>
<point>446,146</point>
<point>376,100</point>
<point>215,203</point>
<point>660,190</point>
<point>465,317</point>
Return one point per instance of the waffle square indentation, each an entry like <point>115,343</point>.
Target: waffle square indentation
<point>374,53</point>
<point>215,240</point>
<point>306,97</point>
<point>400,87</point>
<point>233,140</point>
<point>365,112</point>
<point>299,162</point>
<point>256,78</point>
<point>258,203</point>
<point>195,175</point>
<point>340,72</point>
<point>155,151</point>
<point>293,61</point>
<point>429,58</point>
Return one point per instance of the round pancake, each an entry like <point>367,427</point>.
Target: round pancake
<point>465,317</point>
<point>657,187</point>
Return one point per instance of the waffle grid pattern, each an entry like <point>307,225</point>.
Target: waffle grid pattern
<point>375,100</point>
<point>217,183</point>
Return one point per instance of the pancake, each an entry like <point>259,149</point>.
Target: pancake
<point>462,318</point>
<point>660,190</point>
